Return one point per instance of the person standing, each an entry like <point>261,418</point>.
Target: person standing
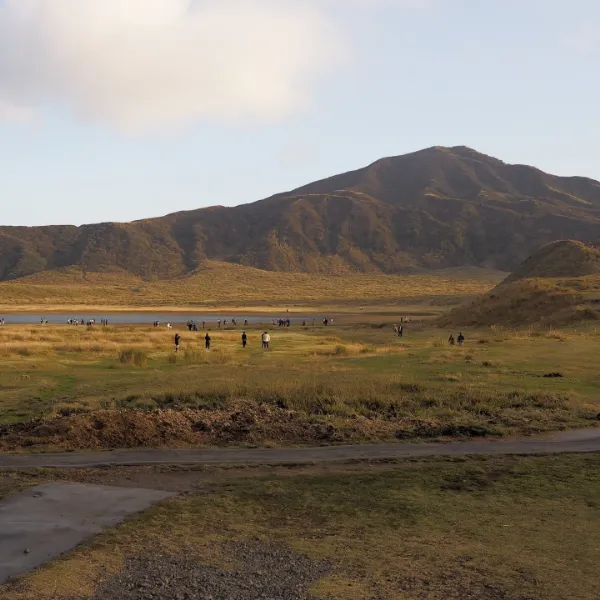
<point>401,331</point>
<point>461,339</point>
<point>207,341</point>
<point>266,338</point>
<point>177,340</point>
<point>244,339</point>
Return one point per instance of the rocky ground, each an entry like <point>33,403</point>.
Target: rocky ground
<point>261,572</point>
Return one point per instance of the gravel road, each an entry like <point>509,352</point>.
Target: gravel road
<point>583,440</point>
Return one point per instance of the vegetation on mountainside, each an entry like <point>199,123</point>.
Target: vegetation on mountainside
<point>226,284</point>
<point>437,208</point>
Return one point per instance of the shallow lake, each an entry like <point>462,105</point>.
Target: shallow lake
<point>149,318</point>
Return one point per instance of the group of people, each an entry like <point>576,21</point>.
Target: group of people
<point>399,330</point>
<point>89,322</point>
<point>460,340</point>
<point>265,339</point>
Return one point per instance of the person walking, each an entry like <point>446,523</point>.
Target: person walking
<point>244,339</point>
<point>461,339</point>
<point>451,340</point>
<point>177,340</point>
<point>266,338</point>
<point>207,341</point>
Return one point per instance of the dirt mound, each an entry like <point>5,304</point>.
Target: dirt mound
<point>566,258</point>
<point>243,422</point>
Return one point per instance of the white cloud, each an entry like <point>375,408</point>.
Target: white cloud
<point>15,114</point>
<point>584,40</point>
<point>146,64</point>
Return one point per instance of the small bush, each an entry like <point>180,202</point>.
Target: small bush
<point>66,410</point>
<point>133,357</point>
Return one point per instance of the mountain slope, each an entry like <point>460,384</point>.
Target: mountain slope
<point>437,208</point>
<point>565,258</point>
<point>558,285</point>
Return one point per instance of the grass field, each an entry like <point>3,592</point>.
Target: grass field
<point>224,284</point>
<point>125,387</point>
<point>430,529</point>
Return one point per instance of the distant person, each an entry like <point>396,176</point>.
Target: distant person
<point>244,339</point>
<point>177,340</point>
<point>451,340</point>
<point>169,326</point>
<point>461,339</point>
<point>203,324</point>
<point>245,322</point>
<point>207,341</point>
<point>219,323</point>
<point>401,331</point>
<point>266,338</point>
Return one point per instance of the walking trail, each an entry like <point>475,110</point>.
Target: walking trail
<point>579,441</point>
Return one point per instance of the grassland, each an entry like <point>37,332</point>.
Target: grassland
<point>223,284</point>
<point>125,387</point>
<point>430,529</point>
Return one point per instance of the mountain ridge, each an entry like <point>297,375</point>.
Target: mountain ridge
<point>434,208</point>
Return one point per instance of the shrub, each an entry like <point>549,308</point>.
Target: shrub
<point>66,410</point>
<point>133,357</point>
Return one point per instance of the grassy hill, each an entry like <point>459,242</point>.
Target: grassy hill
<point>558,285</point>
<point>217,283</point>
<point>437,208</point>
<point>565,258</point>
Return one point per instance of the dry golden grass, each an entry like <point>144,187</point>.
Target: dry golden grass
<point>346,383</point>
<point>226,284</point>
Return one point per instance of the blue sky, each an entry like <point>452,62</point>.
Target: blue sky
<point>113,113</point>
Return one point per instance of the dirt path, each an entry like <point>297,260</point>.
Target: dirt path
<point>587,440</point>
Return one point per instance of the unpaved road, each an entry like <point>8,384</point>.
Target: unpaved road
<point>586,440</point>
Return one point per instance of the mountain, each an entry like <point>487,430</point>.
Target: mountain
<point>436,208</point>
<point>558,285</point>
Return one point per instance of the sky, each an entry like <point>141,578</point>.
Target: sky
<point>115,110</point>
